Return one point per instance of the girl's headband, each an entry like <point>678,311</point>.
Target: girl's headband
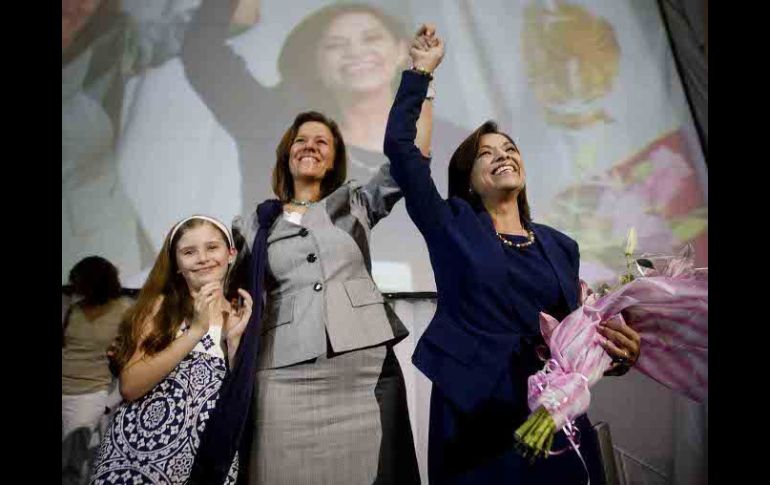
<point>217,223</point>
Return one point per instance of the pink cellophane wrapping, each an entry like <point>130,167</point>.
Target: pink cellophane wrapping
<point>667,306</point>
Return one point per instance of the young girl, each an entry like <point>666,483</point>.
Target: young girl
<point>172,354</point>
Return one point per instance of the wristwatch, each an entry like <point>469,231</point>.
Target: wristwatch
<point>423,72</point>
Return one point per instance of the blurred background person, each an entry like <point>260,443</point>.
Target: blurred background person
<point>89,326</point>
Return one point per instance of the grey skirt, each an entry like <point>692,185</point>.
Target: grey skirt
<point>337,419</point>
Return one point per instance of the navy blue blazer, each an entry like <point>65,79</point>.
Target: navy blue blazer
<point>481,319</point>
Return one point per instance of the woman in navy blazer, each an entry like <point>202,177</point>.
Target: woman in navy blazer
<point>495,271</point>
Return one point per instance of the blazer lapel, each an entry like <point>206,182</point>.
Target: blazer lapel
<point>488,224</point>
<point>282,229</point>
<point>560,264</point>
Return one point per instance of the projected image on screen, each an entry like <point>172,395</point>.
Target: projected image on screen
<point>177,106</point>
<point>343,60</point>
<point>573,58</point>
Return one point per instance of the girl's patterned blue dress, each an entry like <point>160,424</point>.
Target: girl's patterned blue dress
<point>153,440</point>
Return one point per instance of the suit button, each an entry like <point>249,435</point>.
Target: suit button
<point>303,232</point>
<point>311,258</point>
<point>318,287</point>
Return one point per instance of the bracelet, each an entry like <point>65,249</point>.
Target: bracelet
<point>422,72</point>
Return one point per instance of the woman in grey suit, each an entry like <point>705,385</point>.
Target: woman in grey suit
<point>330,401</point>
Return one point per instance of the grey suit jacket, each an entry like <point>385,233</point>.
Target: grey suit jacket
<point>318,279</point>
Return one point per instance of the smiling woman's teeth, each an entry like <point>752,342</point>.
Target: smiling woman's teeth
<point>502,169</point>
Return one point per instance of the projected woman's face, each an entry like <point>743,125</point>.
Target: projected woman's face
<point>358,54</point>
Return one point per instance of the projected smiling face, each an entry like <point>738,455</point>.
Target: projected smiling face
<point>357,53</point>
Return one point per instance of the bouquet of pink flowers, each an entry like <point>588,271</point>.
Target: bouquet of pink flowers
<point>667,304</point>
